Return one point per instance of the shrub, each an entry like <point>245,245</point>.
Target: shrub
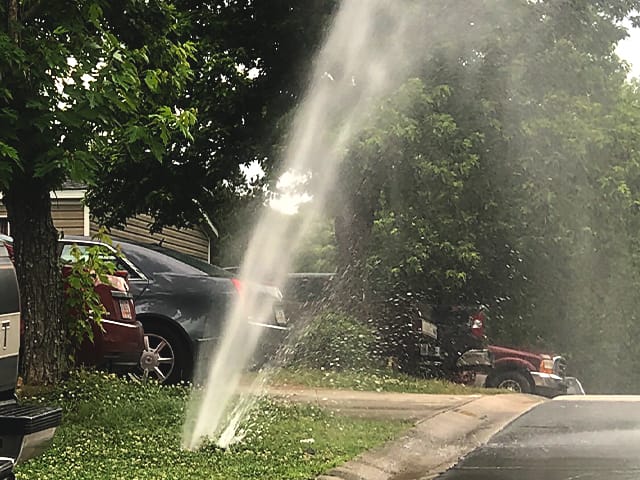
<point>336,341</point>
<point>82,302</point>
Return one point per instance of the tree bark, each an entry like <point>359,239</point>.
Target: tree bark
<point>45,356</point>
<point>12,20</point>
<point>353,225</point>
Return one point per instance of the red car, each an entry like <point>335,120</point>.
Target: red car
<point>119,344</point>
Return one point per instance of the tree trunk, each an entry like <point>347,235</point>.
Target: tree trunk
<point>12,20</point>
<point>353,226</point>
<point>45,348</point>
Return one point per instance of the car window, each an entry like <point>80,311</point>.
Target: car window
<point>66,257</point>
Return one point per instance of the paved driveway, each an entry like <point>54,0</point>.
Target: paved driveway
<point>572,438</point>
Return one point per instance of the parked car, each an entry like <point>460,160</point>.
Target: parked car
<point>528,372</point>
<point>182,303</point>
<point>118,342</point>
<point>445,341</point>
<point>25,431</point>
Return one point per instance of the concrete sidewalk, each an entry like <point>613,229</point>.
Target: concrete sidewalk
<point>397,406</point>
<point>447,428</point>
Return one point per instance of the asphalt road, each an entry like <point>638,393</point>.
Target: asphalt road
<point>573,438</point>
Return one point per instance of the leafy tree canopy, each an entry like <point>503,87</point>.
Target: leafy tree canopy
<point>84,86</point>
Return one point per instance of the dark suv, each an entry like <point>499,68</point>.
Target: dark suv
<point>24,430</point>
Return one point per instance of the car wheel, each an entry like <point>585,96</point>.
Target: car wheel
<point>165,357</point>
<point>512,380</point>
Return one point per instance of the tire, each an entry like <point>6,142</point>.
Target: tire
<point>164,340</point>
<point>511,380</point>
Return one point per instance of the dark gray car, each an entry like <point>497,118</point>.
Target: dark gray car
<point>182,303</point>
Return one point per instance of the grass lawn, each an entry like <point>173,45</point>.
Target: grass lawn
<point>380,381</point>
<point>114,429</point>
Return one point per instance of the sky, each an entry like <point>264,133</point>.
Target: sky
<point>629,50</point>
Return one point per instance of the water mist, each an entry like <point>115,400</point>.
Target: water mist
<point>366,55</point>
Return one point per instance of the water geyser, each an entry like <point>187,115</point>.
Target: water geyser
<point>365,56</point>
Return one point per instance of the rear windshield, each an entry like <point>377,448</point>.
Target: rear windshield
<point>201,265</point>
<point>156,259</point>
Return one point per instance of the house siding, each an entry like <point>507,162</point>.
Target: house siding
<point>67,214</point>
<point>69,217</point>
<point>191,241</point>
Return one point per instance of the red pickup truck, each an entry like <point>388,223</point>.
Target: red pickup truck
<point>528,372</point>
<point>463,328</point>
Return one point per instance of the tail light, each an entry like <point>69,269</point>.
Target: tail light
<point>10,251</point>
<point>238,284</point>
<point>477,324</point>
<point>116,282</point>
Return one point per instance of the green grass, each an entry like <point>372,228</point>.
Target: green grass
<point>380,381</point>
<point>114,429</point>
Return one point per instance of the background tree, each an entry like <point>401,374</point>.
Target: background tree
<point>249,72</point>
<point>84,86</point>
<point>493,184</point>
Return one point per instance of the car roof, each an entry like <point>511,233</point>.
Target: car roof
<point>154,259</point>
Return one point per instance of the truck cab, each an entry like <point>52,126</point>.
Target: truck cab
<point>25,431</point>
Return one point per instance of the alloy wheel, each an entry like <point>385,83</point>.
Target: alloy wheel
<point>158,359</point>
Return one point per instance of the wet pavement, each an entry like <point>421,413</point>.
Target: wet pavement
<point>438,439</point>
<point>574,438</point>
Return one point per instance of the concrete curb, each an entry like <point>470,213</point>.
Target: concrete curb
<point>437,442</point>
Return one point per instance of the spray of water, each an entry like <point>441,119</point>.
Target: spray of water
<point>365,56</point>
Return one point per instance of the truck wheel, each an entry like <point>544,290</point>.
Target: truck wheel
<point>512,380</point>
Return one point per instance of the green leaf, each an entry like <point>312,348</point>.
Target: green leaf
<point>151,79</point>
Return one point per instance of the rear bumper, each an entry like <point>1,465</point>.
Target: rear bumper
<point>117,348</point>
<point>122,362</point>
<point>270,338</point>
<point>26,431</point>
<point>123,338</point>
<point>548,384</point>
<point>6,468</point>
